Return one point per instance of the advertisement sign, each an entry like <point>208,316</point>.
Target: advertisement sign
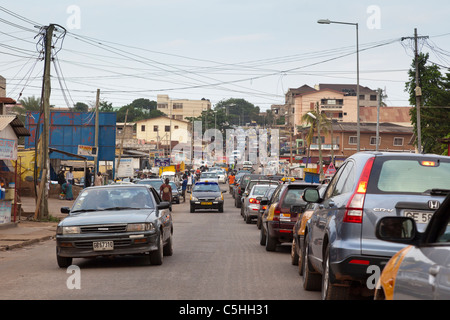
<point>8,149</point>
<point>162,162</point>
<point>86,150</point>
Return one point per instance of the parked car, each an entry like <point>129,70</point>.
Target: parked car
<point>242,185</point>
<point>221,175</point>
<point>279,219</point>
<point>115,220</point>
<point>298,232</point>
<point>156,183</point>
<point>420,270</point>
<point>176,194</point>
<point>245,196</point>
<point>206,195</point>
<point>340,240</point>
<point>264,203</point>
<point>209,177</point>
<point>251,202</point>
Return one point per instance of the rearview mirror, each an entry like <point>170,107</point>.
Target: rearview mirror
<point>311,195</point>
<point>65,209</point>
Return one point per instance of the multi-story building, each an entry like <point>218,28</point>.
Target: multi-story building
<point>180,109</point>
<point>161,130</point>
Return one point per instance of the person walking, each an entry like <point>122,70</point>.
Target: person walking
<point>98,179</point>
<point>183,188</point>
<point>165,191</point>
<point>189,181</point>
<point>69,176</point>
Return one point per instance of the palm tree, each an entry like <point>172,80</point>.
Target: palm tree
<point>320,121</point>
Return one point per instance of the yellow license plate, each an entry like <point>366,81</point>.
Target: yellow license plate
<point>206,203</point>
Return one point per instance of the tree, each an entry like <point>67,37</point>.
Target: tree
<point>435,100</point>
<point>27,105</point>
<point>239,111</point>
<point>80,107</point>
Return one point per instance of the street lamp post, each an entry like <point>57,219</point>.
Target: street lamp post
<point>358,131</point>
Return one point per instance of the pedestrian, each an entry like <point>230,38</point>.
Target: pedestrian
<point>87,178</point>
<point>183,188</point>
<point>61,179</point>
<point>69,176</point>
<point>67,189</point>
<point>231,179</point>
<point>165,191</point>
<point>98,179</point>
<point>189,181</point>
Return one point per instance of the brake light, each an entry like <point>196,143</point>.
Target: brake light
<point>428,163</point>
<point>274,215</point>
<point>253,200</point>
<point>355,206</point>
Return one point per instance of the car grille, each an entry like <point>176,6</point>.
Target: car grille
<point>111,228</point>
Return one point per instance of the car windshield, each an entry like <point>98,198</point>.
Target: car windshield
<point>154,183</point>
<point>119,197</point>
<point>206,187</point>
<point>208,175</point>
<point>413,175</point>
<point>173,185</point>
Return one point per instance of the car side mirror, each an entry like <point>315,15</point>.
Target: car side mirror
<point>163,205</point>
<point>311,195</point>
<point>65,210</point>
<point>224,191</point>
<point>396,229</point>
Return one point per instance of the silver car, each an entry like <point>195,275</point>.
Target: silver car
<point>115,220</point>
<point>340,241</point>
<point>251,202</point>
<point>421,270</point>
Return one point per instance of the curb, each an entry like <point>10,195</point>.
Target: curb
<point>26,243</point>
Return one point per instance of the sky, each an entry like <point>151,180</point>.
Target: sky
<point>215,49</point>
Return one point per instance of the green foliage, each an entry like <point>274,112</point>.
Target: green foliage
<point>435,103</point>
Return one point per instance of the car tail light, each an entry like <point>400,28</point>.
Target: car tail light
<point>355,206</point>
<point>275,215</point>
<point>253,200</point>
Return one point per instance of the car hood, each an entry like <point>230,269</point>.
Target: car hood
<point>107,217</point>
<point>206,194</point>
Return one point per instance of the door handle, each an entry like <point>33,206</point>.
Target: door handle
<point>434,270</point>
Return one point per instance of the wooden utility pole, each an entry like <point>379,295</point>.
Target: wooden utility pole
<point>97,102</point>
<point>43,205</point>
<point>418,89</point>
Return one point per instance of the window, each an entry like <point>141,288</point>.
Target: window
<point>346,181</point>
<point>143,128</point>
<point>176,127</point>
<point>362,97</point>
<point>373,97</point>
<point>162,105</point>
<point>155,128</point>
<point>177,106</point>
<point>315,140</point>
<point>398,142</point>
<point>353,140</point>
<point>167,128</point>
<point>373,141</point>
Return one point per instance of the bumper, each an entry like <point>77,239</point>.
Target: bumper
<point>355,268</point>
<point>216,204</point>
<point>77,246</point>
<point>280,230</point>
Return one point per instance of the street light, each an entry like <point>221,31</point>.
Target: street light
<point>326,21</point>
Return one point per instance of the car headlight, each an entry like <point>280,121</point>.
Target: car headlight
<point>140,226</point>
<point>193,198</point>
<point>68,230</point>
<point>220,198</point>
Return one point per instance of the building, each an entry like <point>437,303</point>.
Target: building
<point>392,137</point>
<point>180,109</point>
<point>161,130</point>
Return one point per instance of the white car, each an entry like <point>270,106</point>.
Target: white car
<point>247,164</point>
<point>209,177</point>
<point>221,174</point>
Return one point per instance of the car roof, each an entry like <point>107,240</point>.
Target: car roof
<point>206,182</point>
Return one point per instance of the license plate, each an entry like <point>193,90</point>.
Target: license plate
<point>103,245</point>
<point>206,203</point>
<point>285,216</point>
<point>419,216</point>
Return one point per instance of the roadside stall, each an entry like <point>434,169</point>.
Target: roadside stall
<point>11,129</point>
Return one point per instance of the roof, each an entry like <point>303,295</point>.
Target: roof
<point>385,127</point>
<point>7,100</point>
<point>152,119</point>
<point>345,88</point>
<point>15,123</point>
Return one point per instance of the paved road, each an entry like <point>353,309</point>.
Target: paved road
<point>217,256</point>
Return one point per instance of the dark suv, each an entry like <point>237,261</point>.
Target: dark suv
<point>280,217</point>
<point>340,242</point>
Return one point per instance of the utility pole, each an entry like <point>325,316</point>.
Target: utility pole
<point>97,102</point>
<point>43,212</point>
<point>418,89</point>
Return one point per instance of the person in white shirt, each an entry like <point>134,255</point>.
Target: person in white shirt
<point>69,176</point>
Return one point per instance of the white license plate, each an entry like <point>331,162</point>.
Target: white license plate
<point>419,216</point>
<point>103,245</point>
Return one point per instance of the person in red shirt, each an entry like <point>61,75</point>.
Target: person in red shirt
<point>165,191</point>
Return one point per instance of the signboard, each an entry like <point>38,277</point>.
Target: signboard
<point>125,168</point>
<point>86,150</point>
<point>331,170</point>
<point>8,149</point>
<point>162,162</point>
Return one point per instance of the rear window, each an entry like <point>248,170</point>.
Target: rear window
<point>411,176</point>
<point>293,197</point>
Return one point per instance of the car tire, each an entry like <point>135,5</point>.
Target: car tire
<point>221,208</point>
<point>258,223</point>
<point>311,280</point>
<point>192,210</point>
<point>271,243</point>
<point>301,257</point>
<point>294,254</point>
<point>168,248</point>
<point>262,237</point>
<point>63,262</point>
<point>329,290</point>
<point>238,203</point>
<point>156,256</point>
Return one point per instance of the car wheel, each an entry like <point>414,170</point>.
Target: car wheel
<point>301,257</point>
<point>156,257</point>
<point>221,208</point>
<point>262,237</point>
<point>329,290</point>
<point>63,262</point>
<point>311,281</point>
<point>192,210</point>
<point>168,248</point>
<point>271,243</point>
<point>294,254</point>
<point>258,223</point>
<point>238,203</point>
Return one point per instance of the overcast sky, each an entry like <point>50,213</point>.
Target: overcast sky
<point>216,49</point>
